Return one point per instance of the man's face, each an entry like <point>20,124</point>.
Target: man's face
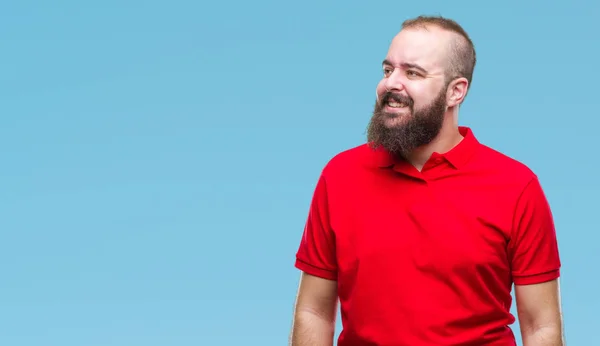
<point>411,97</point>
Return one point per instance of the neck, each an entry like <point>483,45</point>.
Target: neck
<point>447,139</point>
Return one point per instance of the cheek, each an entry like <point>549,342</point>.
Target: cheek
<point>380,90</point>
<point>420,96</point>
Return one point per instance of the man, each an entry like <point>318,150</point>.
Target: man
<point>422,232</point>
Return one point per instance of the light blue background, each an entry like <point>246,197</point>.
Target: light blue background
<point>158,158</point>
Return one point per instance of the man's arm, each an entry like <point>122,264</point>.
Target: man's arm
<point>535,262</point>
<point>540,314</point>
<point>314,312</point>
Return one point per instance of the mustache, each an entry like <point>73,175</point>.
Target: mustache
<point>388,96</point>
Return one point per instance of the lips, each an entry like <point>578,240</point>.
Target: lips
<point>396,100</point>
<point>395,104</point>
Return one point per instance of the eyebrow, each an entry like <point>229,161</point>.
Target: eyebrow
<point>406,65</point>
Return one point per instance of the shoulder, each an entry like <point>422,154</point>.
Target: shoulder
<point>505,165</point>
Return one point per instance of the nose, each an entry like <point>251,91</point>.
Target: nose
<point>394,81</point>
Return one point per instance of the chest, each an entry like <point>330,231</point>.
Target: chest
<point>424,228</point>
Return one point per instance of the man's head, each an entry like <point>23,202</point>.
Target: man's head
<point>426,76</point>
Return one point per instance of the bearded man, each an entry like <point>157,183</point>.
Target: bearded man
<point>422,232</point>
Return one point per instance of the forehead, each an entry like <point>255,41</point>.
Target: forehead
<point>426,47</point>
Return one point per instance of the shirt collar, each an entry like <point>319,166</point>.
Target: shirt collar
<point>458,156</point>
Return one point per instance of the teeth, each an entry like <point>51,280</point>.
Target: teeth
<point>396,104</point>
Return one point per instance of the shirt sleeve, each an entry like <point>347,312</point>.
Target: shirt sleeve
<point>316,254</point>
<point>533,248</point>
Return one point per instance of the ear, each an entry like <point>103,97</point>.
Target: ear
<point>457,91</point>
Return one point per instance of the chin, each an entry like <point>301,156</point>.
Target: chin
<point>394,120</point>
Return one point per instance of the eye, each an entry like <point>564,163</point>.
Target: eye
<point>387,71</point>
<point>412,73</point>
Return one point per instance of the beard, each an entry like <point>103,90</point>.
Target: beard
<point>419,128</point>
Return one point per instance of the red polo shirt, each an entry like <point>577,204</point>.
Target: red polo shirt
<point>428,258</point>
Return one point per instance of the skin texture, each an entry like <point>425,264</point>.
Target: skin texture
<point>315,312</point>
<point>415,68</point>
<point>540,315</point>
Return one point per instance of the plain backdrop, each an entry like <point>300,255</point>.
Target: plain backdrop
<point>158,157</point>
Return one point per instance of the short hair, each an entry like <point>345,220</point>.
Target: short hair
<point>462,52</point>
